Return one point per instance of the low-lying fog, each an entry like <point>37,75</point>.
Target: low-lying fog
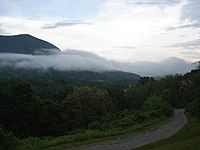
<point>80,60</point>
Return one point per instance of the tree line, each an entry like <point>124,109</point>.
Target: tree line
<point>24,112</point>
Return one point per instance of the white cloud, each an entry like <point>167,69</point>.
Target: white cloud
<point>80,60</point>
<point>64,24</point>
<point>191,11</point>
<point>1,29</point>
<point>118,25</point>
<point>71,60</point>
<point>195,44</point>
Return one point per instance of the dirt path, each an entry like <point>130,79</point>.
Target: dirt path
<point>162,132</point>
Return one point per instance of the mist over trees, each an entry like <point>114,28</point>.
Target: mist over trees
<point>27,52</point>
<point>73,60</point>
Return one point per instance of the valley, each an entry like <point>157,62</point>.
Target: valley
<point>46,105</point>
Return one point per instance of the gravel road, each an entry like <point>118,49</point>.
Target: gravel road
<point>162,132</point>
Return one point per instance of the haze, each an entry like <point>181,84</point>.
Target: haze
<point>81,61</point>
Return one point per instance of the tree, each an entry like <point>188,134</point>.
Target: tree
<point>86,104</point>
<point>22,112</point>
<point>194,108</point>
<point>134,97</point>
<point>156,107</point>
<point>7,140</point>
<point>145,80</point>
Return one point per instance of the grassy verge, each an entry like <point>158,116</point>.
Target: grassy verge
<point>186,139</point>
<point>87,137</point>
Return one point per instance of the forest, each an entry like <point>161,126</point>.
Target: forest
<point>31,109</point>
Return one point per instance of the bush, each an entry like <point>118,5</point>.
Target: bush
<point>156,107</point>
<point>7,140</point>
<point>123,120</point>
<point>194,108</point>
<point>86,104</point>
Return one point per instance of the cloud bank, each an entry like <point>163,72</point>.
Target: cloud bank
<point>193,25</point>
<point>65,61</point>
<point>82,61</point>
<point>191,11</point>
<point>155,2</point>
<point>1,29</point>
<point>194,44</point>
<point>170,66</point>
<point>65,23</point>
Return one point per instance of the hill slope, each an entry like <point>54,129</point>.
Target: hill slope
<point>75,78</point>
<point>26,44</point>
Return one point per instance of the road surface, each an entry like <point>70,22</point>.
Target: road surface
<point>176,123</point>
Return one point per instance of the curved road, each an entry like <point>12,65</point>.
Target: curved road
<point>162,132</point>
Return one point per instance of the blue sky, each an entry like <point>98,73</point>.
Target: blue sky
<point>125,30</point>
<point>38,9</point>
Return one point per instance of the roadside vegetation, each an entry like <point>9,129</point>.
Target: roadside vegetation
<point>186,139</point>
<point>154,111</point>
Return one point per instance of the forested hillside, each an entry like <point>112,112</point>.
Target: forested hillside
<point>31,108</point>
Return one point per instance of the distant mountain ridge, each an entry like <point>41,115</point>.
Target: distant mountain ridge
<point>198,64</point>
<point>13,48</point>
<point>26,44</point>
<point>76,78</point>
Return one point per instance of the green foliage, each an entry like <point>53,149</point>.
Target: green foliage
<point>117,94</point>
<point>156,107</point>
<point>194,108</point>
<point>25,114</point>
<point>62,142</point>
<point>86,104</point>
<point>135,97</point>
<point>192,93</point>
<point>186,139</point>
<point>145,80</point>
<point>51,105</point>
<point>177,90</point>
<point>7,140</point>
<point>123,120</point>
<point>21,111</point>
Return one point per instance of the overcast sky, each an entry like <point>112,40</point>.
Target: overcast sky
<point>122,30</point>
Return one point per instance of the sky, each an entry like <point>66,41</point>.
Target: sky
<point>120,30</point>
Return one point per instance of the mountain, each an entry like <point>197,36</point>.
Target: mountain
<point>70,67</point>
<point>198,66</point>
<point>76,60</point>
<point>26,44</point>
<point>169,66</point>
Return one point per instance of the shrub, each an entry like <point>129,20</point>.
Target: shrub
<point>194,108</point>
<point>7,140</point>
<point>123,120</point>
<point>156,107</point>
<point>87,104</point>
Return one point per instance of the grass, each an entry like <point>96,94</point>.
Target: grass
<point>87,137</point>
<point>186,139</point>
